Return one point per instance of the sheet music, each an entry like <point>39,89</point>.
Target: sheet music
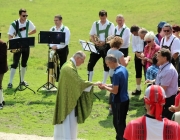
<point>88,89</point>
<point>88,46</point>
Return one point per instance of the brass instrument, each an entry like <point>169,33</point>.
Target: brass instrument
<point>109,38</point>
<point>53,65</point>
<point>14,50</point>
<point>96,39</point>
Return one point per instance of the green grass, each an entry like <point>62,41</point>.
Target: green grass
<point>29,113</point>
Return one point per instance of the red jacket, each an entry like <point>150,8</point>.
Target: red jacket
<point>136,130</point>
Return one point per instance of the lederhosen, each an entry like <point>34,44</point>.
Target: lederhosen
<point>102,51</point>
<point>138,65</point>
<point>3,61</point>
<point>123,50</point>
<point>169,47</point>
<point>62,53</point>
<point>24,51</point>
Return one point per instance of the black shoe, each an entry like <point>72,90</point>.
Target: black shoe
<point>10,85</point>
<point>136,92</point>
<point>3,102</point>
<point>24,83</point>
<point>110,112</point>
<point>1,106</point>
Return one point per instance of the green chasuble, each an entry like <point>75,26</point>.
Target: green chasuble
<point>71,95</point>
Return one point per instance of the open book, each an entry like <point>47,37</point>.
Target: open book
<point>88,46</point>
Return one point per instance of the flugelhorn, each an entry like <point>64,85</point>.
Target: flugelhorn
<point>109,38</point>
<point>96,39</point>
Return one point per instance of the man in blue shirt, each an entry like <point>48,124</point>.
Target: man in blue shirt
<point>119,88</point>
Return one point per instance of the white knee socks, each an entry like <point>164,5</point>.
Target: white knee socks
<point>138,87</point>
<point>23,71</point>
<point>106,73</point>
<point>1,96</point>
<point>12,73</point>
<point>90,75</point>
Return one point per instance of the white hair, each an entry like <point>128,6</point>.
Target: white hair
<point>80,54</point>
<point>142,31</point>
<point>150,35</point>
<point>120,16</point>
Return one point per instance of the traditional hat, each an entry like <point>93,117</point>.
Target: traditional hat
<point>155,97</point>
<point>161,24</point>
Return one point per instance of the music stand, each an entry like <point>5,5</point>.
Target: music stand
<point>88,46</point>
<point>21,43</point>
<point>50,37</point>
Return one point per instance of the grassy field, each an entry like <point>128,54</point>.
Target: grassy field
<point>29,113</point>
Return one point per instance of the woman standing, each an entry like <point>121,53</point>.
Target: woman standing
<point>176,30</point>
<point>3,69</point>
<point>115,45</point>
<point>150,49</point>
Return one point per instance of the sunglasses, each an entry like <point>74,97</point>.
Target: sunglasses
<point>24,15</point>
<point>148,41</point>
<point>166,30</point>
<point>175,31</point>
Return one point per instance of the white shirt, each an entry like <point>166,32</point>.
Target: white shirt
<point>137,44</point>
<point>125,36</point>
<point>93,30</point>
<point>67,36</point>
<point>154,129</point>
<point>175,47</point>
<point>23,33</point>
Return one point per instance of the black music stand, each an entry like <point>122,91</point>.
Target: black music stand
<point>88,46</point>
<point>21,43</point>
<point>49,37</point>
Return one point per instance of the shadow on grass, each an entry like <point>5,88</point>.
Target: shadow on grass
<point>101,94</point>
<point>107,123</point>
<point>10,103</point>
<point>41,102</point>
<point>22,89</point>
<point>46,94</point>
<point>9,91</point>
<point>137,103</point>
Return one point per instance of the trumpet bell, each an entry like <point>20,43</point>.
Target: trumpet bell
<point>109,38</point>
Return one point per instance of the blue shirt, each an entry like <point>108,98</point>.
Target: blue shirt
<point>156,40</point>
<point>120,79</point>
<point>151,72</point>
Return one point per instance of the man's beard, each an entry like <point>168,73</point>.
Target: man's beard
<point>167,36</point>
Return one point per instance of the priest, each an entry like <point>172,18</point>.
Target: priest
<point>74,99</point>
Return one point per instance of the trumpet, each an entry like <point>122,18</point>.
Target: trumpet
<point>96,39</point>
<point>109,38</point>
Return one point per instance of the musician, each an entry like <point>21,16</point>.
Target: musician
<point>20,28</point>
<point>137,48</point>
<point>102,28</point>
<point>3,68</point>
<point>61,49</point>
<point>170,42</point>
<point>124,32</point>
